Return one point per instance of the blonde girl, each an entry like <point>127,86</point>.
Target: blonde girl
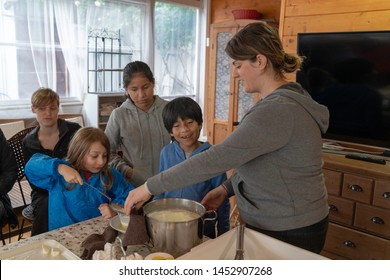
<point>82,186</point>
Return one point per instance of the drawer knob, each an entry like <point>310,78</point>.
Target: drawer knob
<point>333,208</point>
<point>356,188</point>
<point>377,220</point>
<point>349,244</point>
<point>386,194</point>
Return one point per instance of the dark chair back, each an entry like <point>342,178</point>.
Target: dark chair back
<point>16,144</point>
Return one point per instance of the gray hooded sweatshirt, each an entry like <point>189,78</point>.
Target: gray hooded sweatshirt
<point>141,136</point>
<point>276,153</point>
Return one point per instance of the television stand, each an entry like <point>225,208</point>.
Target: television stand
<point>357,152</point>
<point>359,208</point>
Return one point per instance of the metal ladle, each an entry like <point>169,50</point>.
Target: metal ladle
<point>70,187</point>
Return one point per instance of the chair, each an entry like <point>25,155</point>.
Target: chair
<point>2,235</point>
<point>11,220</point>
<point>78,119</point>
<point>15,143</point>
<point>9,129</point>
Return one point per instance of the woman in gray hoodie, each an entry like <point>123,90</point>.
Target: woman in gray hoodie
<point>276,149</point>
<point>136,127</point>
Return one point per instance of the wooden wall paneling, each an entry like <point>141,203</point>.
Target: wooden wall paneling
<point>321,7</point>
<point>221,10</point>
<point>290,44</point>
<point>364,21</point>
<point>303,16</point>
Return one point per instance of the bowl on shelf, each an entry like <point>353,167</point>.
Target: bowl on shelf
<point>246,14</point>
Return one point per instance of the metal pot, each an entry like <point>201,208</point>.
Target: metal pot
<point>176,238</point>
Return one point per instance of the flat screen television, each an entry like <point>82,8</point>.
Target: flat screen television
<point>349,72</point>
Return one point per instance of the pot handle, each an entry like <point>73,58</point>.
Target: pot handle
<point>212,218</point>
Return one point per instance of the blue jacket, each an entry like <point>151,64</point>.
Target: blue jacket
<point>79,204</point>
<point>172,154</point>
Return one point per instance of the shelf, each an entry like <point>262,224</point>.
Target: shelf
<point>100,106</point>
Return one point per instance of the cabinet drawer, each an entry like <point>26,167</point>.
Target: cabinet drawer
<point>357,188</point>
<point>331,256</point>
<point>382,194</point>
<point>333,181</point>
<point>373,219</point>
<point>341,210</point>
<point>352,244</point>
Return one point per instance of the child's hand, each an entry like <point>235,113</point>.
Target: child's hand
<point>70,174</point>
<point>214,198</point>
<point>106,211</point>
<point>137,197</point>
<point>129,173</point>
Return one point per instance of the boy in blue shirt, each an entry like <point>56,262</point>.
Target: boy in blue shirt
<point>183,119</point>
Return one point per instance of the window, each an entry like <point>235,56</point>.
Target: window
<point>176,49</point>
<point>44,44</point>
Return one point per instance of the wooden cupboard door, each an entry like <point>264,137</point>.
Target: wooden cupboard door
<point>226,101</point>
<point>220,132</point>
<point>219,92</point>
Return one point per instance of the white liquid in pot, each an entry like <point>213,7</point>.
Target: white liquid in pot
<point>174,215</point>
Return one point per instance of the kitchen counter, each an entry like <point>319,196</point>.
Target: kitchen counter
<point>256,245</point>
<point>71,237</point>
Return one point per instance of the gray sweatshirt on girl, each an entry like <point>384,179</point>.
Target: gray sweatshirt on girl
<point>140,136</point>
<point>276,153</point>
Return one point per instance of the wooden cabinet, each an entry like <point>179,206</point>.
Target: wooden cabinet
<point>98,107</point>
<point>226,100</point>
<point>359,204</point>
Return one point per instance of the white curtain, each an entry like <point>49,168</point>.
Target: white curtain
<point>148,39</point>
<point>42,17</point>
<point>72,33</point>
<point>73,23</point>
<point>40,24</point>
